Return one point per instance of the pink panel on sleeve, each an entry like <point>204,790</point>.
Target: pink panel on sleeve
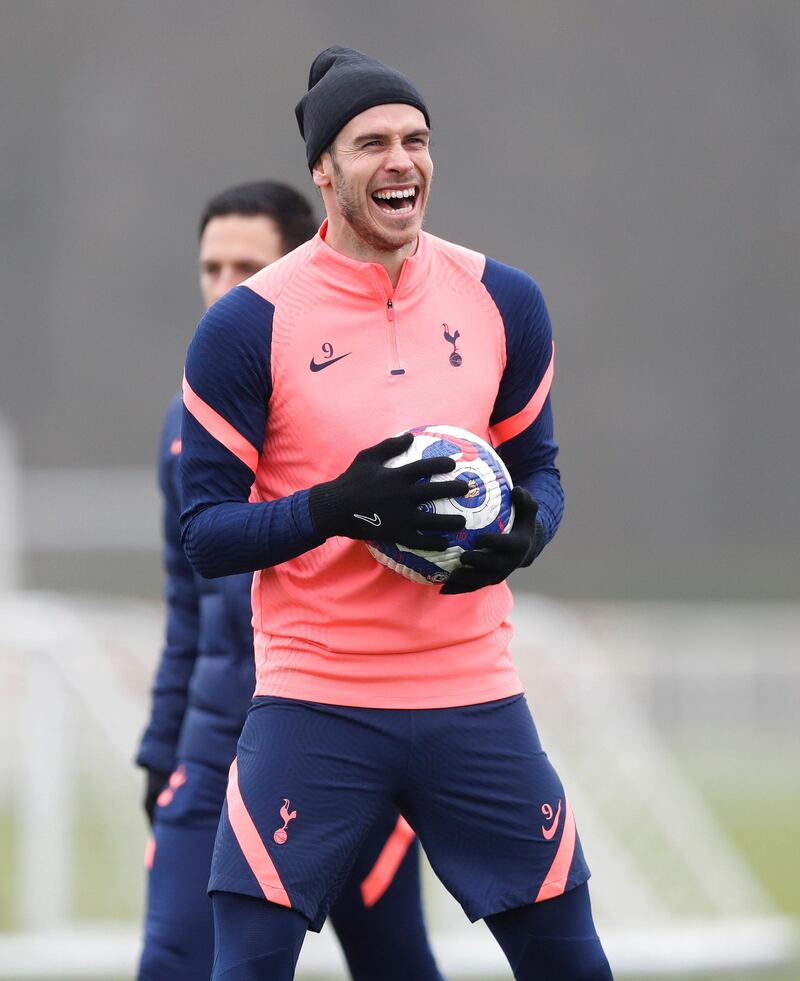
<point>256,855</point>
<point>219,428</point>
<point>556,880</point>
<point>513,426</point>
<point>388,862</point>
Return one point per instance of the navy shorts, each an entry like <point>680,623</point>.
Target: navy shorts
<point>381,897</point>
<point>474,783</point>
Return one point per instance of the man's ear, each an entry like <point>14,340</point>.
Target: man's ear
<point>321,172</point>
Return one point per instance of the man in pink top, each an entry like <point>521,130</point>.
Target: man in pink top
<point>371,688</point>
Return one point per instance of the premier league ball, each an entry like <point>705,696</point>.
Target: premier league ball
<point>486,505</point>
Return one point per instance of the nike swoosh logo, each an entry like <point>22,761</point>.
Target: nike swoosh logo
<point>548,833</point>
<point>326,364</point>
<point>375,521</point>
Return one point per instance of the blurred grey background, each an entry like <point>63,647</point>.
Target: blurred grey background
<point>638,157</point>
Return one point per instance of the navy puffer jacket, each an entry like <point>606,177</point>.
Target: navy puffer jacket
<point>206,675</point>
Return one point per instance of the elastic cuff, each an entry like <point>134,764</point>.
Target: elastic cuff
<point>157,758</point>
<point>301,514</point>
<point>323,506</point>
<point>537,544</point>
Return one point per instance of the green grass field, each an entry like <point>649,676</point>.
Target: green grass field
<point>756,796</point>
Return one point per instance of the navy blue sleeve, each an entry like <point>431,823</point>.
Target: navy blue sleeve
<point>158,748</point>
<point>522,418</point>
<point>227,388</point>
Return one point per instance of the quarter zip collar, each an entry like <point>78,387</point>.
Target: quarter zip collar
<point>371,277</point>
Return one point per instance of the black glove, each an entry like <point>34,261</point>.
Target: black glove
<point>155,781</point>
<point>372,502</point>
<point>496,556</point>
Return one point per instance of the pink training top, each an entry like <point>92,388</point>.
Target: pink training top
<point>352,361</point>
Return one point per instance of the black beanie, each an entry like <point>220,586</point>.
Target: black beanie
<point>342,83</point>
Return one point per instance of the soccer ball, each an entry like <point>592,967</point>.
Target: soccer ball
<point>486,506</point>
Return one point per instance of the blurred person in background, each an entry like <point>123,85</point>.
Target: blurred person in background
<point>372,689</point>
<point>205,680</point>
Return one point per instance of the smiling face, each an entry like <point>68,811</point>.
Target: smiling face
<point>375,182</point>
<point>233,248</point>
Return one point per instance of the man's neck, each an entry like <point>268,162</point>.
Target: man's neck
<point>341,237</point>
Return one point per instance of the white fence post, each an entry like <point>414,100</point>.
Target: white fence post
<point>10,514</point>
<point>45,804</point>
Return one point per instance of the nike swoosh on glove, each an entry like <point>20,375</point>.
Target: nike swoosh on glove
<point>370,495</point>
<point>496,556</point>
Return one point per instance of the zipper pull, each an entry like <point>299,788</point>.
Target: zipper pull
<point>390,310</point>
